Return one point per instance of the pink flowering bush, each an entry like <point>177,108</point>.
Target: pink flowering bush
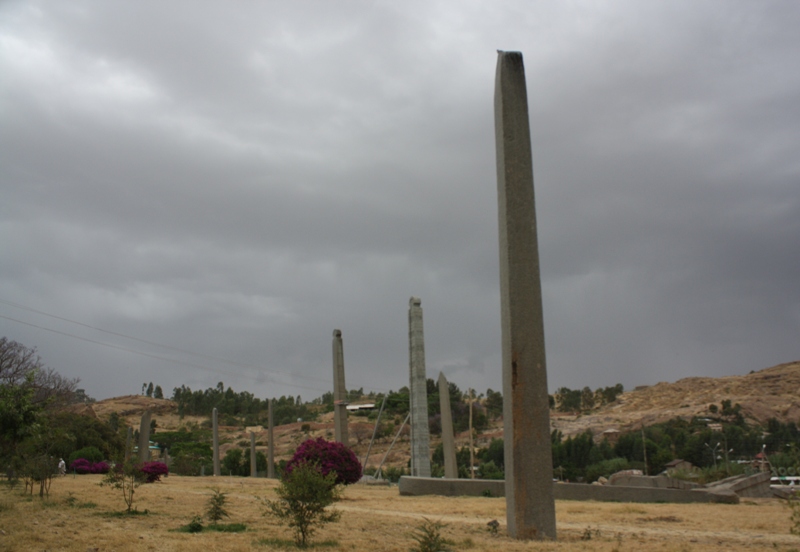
<point>81,466</point>
<point>153,471</point>
<point>329,456</point>
<point>84,466</point>
<point>100,467</point>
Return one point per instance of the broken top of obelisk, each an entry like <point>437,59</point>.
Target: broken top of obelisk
<point>530,506</point>
<point>339,390</point>
<point>420,433</point>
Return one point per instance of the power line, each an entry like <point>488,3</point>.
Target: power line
<point>162,345</point>
<point>153,343</point>
<point>132,351</point>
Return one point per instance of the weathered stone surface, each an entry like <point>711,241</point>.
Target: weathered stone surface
<point>144,437</point>
<point>271,444</point>
<point>215,441</point>
<point>448,439</point>
<point>253,466</point>
<point>420,434</point>
<point>340,433</point>
<point>530,504</point>
<point>652,481</point>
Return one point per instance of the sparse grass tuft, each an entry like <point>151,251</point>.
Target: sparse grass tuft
<point>794,518</point>
<point>126,513</point>
<point>227,527</point>
<point>194,526</point>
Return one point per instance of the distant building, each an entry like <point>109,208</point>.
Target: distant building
<point>354,407</point>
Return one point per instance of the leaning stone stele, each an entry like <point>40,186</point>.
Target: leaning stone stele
<point>448,438</point>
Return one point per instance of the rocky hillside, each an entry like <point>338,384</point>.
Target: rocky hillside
<point>770,393</point>
<point>773,392</point>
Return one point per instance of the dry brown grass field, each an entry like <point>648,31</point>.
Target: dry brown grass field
<point>373,519</point>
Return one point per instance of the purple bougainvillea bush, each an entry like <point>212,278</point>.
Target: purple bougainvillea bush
<point>330,456</point>
<point>100,467</point>
<point>153,471</point>
<point>81,466</point>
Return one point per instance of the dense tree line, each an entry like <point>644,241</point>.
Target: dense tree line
<point>34,429</point>
<point>581,458</point>
<point>242,407</point>
<point>398,404</point>
<point>584,400</point>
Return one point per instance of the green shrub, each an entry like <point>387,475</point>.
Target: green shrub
<point>429,538</point>
<point>488,470</point>
<point>303,496</point>
<point>125,477</point>
<point>605,468</point>
<point>216,506</point>
<point>92,454</point>
<point>195,526</point>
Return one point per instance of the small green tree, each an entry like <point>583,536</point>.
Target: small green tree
<point>429,537</point>
<point>19,413</point>
<point>125,477</point>
<point>303,496</point>
<point>216,506</point>
<point>232,463</point>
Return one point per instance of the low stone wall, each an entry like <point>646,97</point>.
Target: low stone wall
<point>653,481</point>
<point>418,486</point>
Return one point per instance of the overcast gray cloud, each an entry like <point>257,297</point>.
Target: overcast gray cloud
<point>237,181</point>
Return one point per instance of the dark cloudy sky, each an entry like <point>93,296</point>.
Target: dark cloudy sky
<point>235,180</point>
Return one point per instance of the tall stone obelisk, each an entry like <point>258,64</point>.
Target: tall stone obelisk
<point>253,466</point>
<point>215,441</point>
<point>448,439</point>
<point>420,434</point>
<point>339,390</point>
<point>530,506</point>
<point>271,444</point>
<point>144,437</point>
